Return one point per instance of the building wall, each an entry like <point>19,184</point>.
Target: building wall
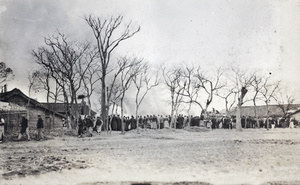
<point>31,110</point>
<point>296,116</point>
<point>13,119</point>
<point>57,121</point>
<point>274,110</point>
<point>33,117</point>
<point>46,116</point>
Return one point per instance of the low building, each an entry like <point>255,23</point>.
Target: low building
<point>12,114</point>
<point>30,108</point>
<point>61,108</point>
<point>295,114</point>
<point>275,111</point>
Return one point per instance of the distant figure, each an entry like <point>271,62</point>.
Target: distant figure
<point>89,125</point>
<point>185,121</point>
<point>98,125</point>
<point>2,122</point>
<point>40,127</point>
<point>161,122</point>
<point>209,124</point>
<point>69,122</point>
<point>154,122</point>
<point>24,128</point>
<point>166,123</point>
<point>292,123</point>
<point>64,124</point>
<point>149,122</point>
<point>80,127</point>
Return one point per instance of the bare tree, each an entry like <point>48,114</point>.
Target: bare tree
<point>172,78</point>
<point>257,85</point>
<point>190,91</point>
<point>114,88</point>
<point>189,88</point>
<point>65,61</point>
<point>208,83</point>
<point>130,70</point>
<point>268,92</point>
<point>91,76</point>
<point>42,81</point>
<point>229,95</point>
<point>109,33</point>
<point>6,74</point>
<point>143,85</point>
<point>284,100</point>
<point>33,84</point>
<point>242,81</point>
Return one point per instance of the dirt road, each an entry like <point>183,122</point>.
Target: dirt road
<point>254,156</point>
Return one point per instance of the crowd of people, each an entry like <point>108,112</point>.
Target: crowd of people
<point>150,122</point>
<point>161,121</point>
<point>178,122</point>
<point>89,124</point>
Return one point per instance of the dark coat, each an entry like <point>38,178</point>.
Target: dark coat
<point>89,122</point>
<point>40,123</point>
<point>24,125</point>
<point>98,122</point>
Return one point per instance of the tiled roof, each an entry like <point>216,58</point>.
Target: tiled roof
<point>274,110</point>
<point>5,97</point>
<point>62,107</point>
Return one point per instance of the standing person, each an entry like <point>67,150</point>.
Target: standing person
<point>64,125</point>
<point>161,122</point>
<point>80,126</point>
<point>119,123</point>
<point>145,121</point>
<point>149,121</point>
<point>24,128</point>
<point>98,125</point>
<point>89,124</point>
<point>185,121</point>
<point>69,122</point>
<point>158,121</point>
<point>166,122</point>
<point>141,121</point>
<point>39,127</point>
<point>154,122</point>
<point>179,122</point>
<point>2,122</point>
<point>292,123</point>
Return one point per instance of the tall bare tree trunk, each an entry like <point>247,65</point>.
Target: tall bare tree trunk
<point>238,117</point>
<point>137,120</point>
<point>103,100</point>
<point>189,116</point>
<point>122,117</point>
<point>172,115</point>
<point>267,116</point>
<point>255,113</point>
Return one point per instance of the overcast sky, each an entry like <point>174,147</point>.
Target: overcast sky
<point>262,34</point>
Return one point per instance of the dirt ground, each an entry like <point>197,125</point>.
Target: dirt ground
<point>167,156</point>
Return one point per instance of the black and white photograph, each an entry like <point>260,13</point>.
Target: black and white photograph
<point>149,92</point>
